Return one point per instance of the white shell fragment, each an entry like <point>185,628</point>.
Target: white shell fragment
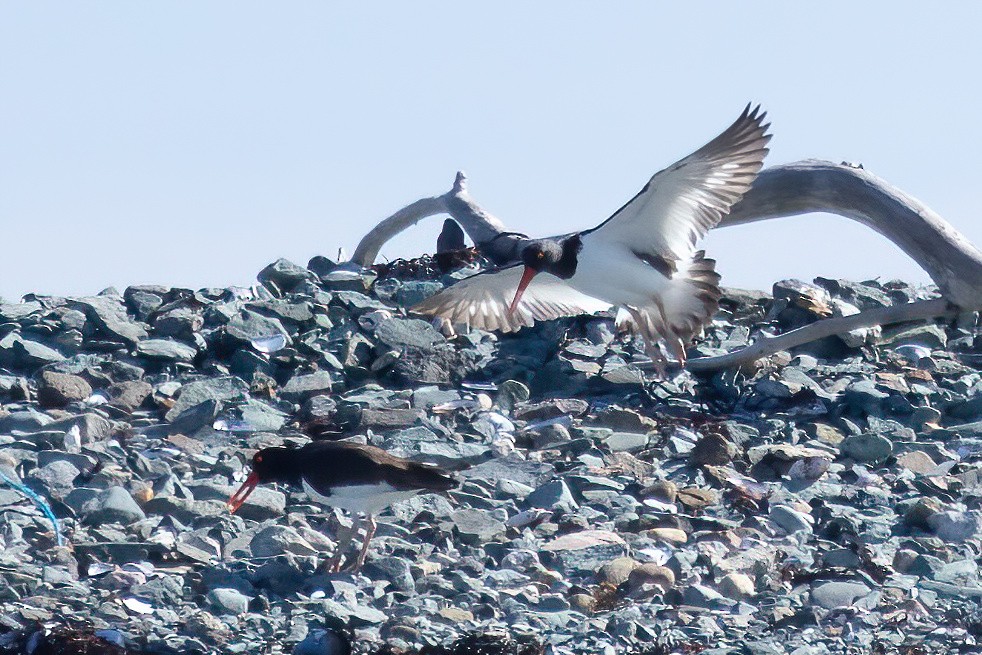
<point>270,344</point>
<point>137,605</point>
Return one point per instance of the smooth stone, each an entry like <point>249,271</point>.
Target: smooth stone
<point>60,389</point>
<point>956,526</point>
<point>109,314</point>
<point>301,387</point>
<point>263,504</point>
<point>323,642</point>
<point>397,570</point>
<point>736,586</point>
<point>836,594</point>
<point>400,333</point>
<point>185,510</point>
<point>228,601</point>
<point>248,326</point>
<point>583,603</point>
<point>91,427</point>
<point>319,407</point>
<point>553,435</point>
<point>476,526</point>
<point>714,450</point>
<point>616,571</point>
<point>842,557</point>
<point>362,615</point>
<point>672,536</point>
<point>221,390</point>
<point>554,495</point>
<point>651,574</point>
<point>413,292</point>
<point>166,350</point>
<point>278,540</point>
<point>129,395</point>
<point>867,448</point>
<point>180,323</point>
<point>512,489</point>
<point>791,520</point>
<point>26,353</point>
<point>964,572</point>
<point>628,442</point>
<point>257,416</point>
<point>58,477</point>
<point>114,505</point>
<point>584,551</point>
<point>863,396</point>
<point>456,614</point>
<point>917,461</point>
<point>283,275</point>
<point>384,419</point>
<point>699,595</point>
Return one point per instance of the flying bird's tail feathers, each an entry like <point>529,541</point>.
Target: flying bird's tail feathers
<point>693,297</point>
<point>679,314</point>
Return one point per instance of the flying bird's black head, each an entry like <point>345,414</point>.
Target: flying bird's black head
<point>542,255</point>
<point>547,256</point>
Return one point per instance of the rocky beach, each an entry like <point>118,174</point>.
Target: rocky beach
<point>825,500</point>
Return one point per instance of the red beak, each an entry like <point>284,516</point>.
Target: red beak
<point>239,497</point>
<point>526,278</point>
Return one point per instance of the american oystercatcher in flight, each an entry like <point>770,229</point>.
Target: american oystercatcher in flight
<point>641,260</point>
<point>357,478</point>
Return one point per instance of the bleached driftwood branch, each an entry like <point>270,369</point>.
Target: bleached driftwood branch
<point>764,346</point>
<point>802,187</point>
<point>809,186</point>
<point>483,228</point>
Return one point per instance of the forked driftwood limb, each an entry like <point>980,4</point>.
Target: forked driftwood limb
<point>802,187</point>
<point>810,186</point>
<point>764,346</point>
<point>483,228</point>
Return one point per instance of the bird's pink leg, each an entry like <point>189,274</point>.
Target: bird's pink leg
<point>370,526</point>
<point>650,339</point>
<point>334,564</point>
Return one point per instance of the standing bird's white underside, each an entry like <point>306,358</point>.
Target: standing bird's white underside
<point>363,498</point>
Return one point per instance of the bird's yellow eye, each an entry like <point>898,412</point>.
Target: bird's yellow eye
<point>540,255</point>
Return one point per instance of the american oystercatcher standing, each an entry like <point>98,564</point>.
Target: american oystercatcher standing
<point>642,259</point>
<point>357,478</point>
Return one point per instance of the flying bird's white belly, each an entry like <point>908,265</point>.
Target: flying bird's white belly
<point>616,275</point>
<point>364,498</point>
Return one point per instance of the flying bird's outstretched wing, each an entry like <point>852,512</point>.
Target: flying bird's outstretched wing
<point>482,301</point>
<point>681,203</point>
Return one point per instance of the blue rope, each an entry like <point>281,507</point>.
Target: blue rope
<point>40,502</point>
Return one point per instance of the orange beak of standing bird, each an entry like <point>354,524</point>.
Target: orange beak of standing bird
<point>527,276</point>
<point>239,497</point>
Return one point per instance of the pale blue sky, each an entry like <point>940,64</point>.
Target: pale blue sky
<point>191,143</point>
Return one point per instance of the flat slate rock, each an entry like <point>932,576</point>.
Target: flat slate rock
<point>109,314</point>
<point>399,333</point>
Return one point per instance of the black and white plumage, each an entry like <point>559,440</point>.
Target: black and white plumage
<point>354,477</point>
<point>641,260</point>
